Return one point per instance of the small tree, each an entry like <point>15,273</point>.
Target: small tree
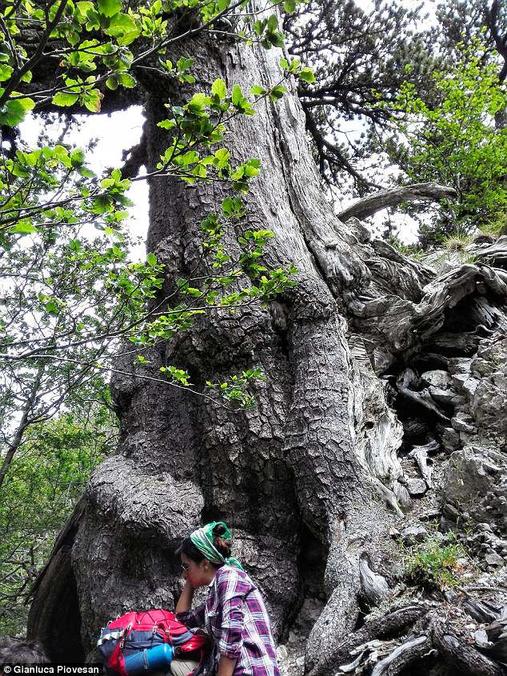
<point>356,53</point>
<point>455,142</point>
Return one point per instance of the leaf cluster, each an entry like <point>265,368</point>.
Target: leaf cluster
<point>71,292</point>
<point>455,141</point>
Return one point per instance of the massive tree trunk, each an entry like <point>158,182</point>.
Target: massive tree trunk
<point>310,478</point>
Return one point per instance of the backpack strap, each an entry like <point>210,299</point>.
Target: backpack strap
<point>125,634</point>
<point>117,661</point>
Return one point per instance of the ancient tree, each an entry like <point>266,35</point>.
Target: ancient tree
<point>314,479</point>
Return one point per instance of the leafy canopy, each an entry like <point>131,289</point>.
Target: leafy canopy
<point>456,142</point>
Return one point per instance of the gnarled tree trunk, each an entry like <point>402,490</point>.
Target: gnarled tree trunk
<point>286,475</point>
<point>308,479</point>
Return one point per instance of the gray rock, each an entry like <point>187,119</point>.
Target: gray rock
<point>416,487</point>
<point>447,397</point>
<point>451,511</point>
<point>437,378</point>
<point>489,403</point>
<point>465,383</point>
<point>475,483</point>
<point>402,495</point>
<point>282,652</point>
<point>460,424</point>
<point>459,365</point>
<point>413,534</point>
<point>490,356</point>
<point>481,638</point>
<point>450,439</point>
<point>493,559</point>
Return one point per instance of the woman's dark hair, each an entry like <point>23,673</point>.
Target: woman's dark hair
<point>188,548</point>
<point>222,545</point>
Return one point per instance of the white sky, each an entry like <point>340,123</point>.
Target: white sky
<point>114,133</point>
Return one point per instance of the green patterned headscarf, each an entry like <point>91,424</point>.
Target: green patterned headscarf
<point>202,538</point>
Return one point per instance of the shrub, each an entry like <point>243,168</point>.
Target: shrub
<point>435,564</point>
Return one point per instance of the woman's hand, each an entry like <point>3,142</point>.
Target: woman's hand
<point>186,597</point>
<point>226,666</point>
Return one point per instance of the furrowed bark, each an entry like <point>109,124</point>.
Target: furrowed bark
<point>291,459</point>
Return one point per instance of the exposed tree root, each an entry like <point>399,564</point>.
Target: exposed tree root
<point>459,654</point>
<point>440,633</point>
<point>402,657</point>
<point>384,627</point>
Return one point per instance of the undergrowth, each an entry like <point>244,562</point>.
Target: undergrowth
<point>436,564</point>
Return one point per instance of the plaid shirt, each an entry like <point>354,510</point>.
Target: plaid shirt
<point>235,617</point>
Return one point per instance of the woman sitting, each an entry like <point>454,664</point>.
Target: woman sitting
<point>233,614</point>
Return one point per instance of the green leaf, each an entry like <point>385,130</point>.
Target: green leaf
<point>259,26</point>
<point>219,89</point>
<point>257,90</point>
<point>92,100</point>
<point>198,102</point>
<point>307,75</point>
<point>237,95</point>
<point>252,167</point>
<point>190,157</point>
<point>123,28</point>
<point>272,23</point>
<point>84,7</point>
<point>166,124</point>
<point>15,110</point>
<point>77,157</point>
<point>276,39</point>
<point>126,80</point>
<point>65,99</point>
<point>184,63</point>
<point>23,228</point>
<point>112,82</point>
<point>232,207</point>
<point>222,157</point>
<point>277,92</point>
<point>109,7</point>
<point>5,72</point>
<point>86,173</point>
<point>62,155</point>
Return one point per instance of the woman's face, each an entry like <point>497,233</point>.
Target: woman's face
<point>198,574</point>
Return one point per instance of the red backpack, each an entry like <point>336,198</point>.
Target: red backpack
<point>137,631</point>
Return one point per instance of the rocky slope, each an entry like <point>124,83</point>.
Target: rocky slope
<point>435,333</point>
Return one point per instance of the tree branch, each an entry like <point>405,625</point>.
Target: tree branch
<point>391,198</point>
<point>23,424</point>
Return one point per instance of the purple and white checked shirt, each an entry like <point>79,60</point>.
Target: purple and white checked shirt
<point>235,617</point>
